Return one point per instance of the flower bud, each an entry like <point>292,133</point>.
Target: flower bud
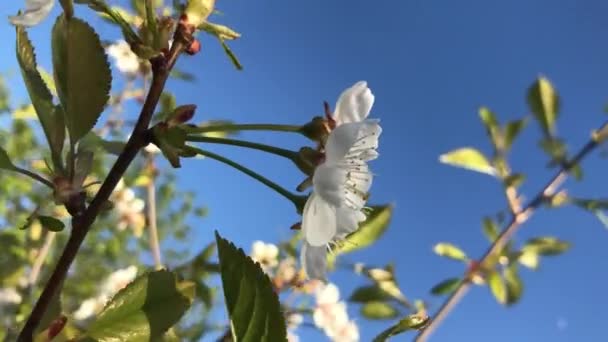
<point>194,47</point>
<point>317,129</point>
<point>180,115</point>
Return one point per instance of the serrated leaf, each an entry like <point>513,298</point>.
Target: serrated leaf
<point>50,117</point>
<point>378,310</point>
<point>544,104</point>
<point>370,293</point>
<point>51,223</point>
<point>103,8</point>
<point>468,158</point>
<point>369,232</point>
<point>253,306</point>
<point>546,246</point>
<point>512,130</point>
<point>497,286</point>
<point>450,251</point>
<point>82,74</point>
<point>144,310</point>
<point>5,160</point>
<point>515,287</point>
<point>411,322</point>
<point>446,286</point>
<point>48,80</point>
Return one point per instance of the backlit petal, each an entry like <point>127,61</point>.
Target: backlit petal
<point>318,221</point>
<point>354,104</point>
<point>314,261</point>
<point>352,141</point>
<point>328,182</point>
<point>35,12</point>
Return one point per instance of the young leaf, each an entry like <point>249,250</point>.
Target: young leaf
<point>253,306</point>
<point>103,8</point>
<point>544,104</point>
<point>235,61</point>
<point>546,245</point>
<point>51,223</point>
<point>369,231</point>
<point>50,117</point>
<point>450,251</point>
<point>5,161</point>
<point>144,310</point>
<point>529,259</point>
<point>512,130</point>
<point>492,127</point>
<point>378,310</point>
<point>411,322</point>
<point>468,158</point>
<point>497,286</point>
<point>446,286</point>
<point>490,229</point>
<point>82,74</point>
<point>515,287</point>
<point>366,294</point>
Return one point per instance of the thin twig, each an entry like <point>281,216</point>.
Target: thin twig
<point>41,257</point>
<point>82,222</point>
<point>151,212</point>
<point>505,236</point>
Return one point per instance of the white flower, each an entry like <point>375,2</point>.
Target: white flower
<point>35,12</point>
<point>348,332</point>
<point>265,253</point>
<point>9,295</point>
<point>129,209</point>
<point>342,181</point>
<point>87,308</point>
<point>118,280</point>
<point>330,315</point>
<point>126,60</point>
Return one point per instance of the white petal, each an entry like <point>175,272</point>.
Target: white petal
<point>347,221</point>
<point>352,141</point>
<point>314,261</point>
<point>318,221</point>
<point>329,294</point>
<point>328,182</point>
<point>354,104</point>
<point>35,12</point>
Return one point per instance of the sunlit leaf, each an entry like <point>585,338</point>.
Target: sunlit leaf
<point>378,310</point>
<point>116,16</point>
<point>529,259</point>
<point>411,322</point>
<point>77,51</point>
<point>545,104</point>
<point>450,251</point>
<point>497,286</point>
<point>253,306</point>
<point>515,286</point>
<point>546,245</point>
<point>144,310</point>
<point>490,229</point>
<point>492,127</point>
<point>468,158</point>
<point>512,130</point>
<point>446,286</point>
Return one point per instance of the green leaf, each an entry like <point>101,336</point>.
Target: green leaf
<point>497,286</point>
<point>492,127</point>
<point>369,232</point>
<point>468,158</point>
<point>253,306</point>
<point>490,229</point>
<point>555,148</point>
<point>514,180</point>
<point>5,161</point>
<point>446,286</point>
<point>378,310</point>
<point>546,245</point>
<point>77,52</point>
<point>544,103</point>
<point>411,322</point>
<point>529,259</point>
<point>450,251</point>
<point>512,130</point>
<point>197,11</point>
<point>51,223</point>
<point>50,117</point>
<point>515,287</point>
<point>93,142</point>
<point>235,61</point>
<point>103,8</point>
<point>366,294</point>
<point>144,310</point>
<point>49,81</point>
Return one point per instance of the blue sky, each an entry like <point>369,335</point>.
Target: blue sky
<point>431,64</point>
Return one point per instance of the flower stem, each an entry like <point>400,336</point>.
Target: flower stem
<point>34,176</point>
<point>298,201</point>
<point>243,127</point>
<point>291,155</point>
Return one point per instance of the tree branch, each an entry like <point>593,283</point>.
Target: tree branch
<point>517,219</point>
<point>81,223</point>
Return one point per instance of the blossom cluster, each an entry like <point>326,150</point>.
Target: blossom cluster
<point>331,316</point>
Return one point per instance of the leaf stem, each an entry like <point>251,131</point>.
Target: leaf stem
<point>81,223</point>
<point>517,219</point>
<point>34,176</point>
<point>291,155</point>
<point>243,127</point>
<point>298,201</point>
<point>151,211</point>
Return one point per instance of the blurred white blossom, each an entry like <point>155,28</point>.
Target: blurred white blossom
<point>331,316</point>
<point>265,253</point>
<point>9,295</point>
<point>35,12</point>
<point>114,283</point>
<point>341,182</point>
<point>129,208</point>
<point>126,60</point>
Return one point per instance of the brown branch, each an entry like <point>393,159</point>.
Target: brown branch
<point>81,222</point>
<point>515,223</point>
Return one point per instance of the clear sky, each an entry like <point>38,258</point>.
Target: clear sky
<point>431,64</point>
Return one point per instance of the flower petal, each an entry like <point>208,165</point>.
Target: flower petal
<point>347,221</point>
<point>314,261</point>
<point>328,182</point>
<point>35,12</point>
<point>352,141</point>
<point>354,104</point>
<point>318,221</point>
